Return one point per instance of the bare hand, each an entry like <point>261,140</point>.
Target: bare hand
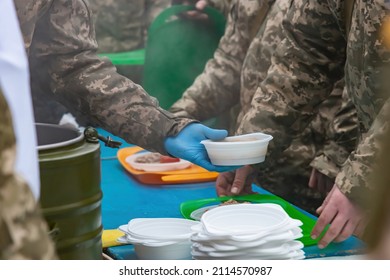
<point>237,182</point>
<point>320,181</point>
<point>344,218</point>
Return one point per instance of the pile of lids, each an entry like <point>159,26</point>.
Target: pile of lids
<point>159,238</point>
<point>247,231</point>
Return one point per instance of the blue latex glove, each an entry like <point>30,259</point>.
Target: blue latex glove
<point>186,145</point>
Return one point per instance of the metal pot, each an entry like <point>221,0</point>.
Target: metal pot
<point>70,190</point>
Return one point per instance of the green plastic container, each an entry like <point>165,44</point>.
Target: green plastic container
<point>177,50</point>
<point>70,191</point>
<point>136,57</point>
<point>186,208</point>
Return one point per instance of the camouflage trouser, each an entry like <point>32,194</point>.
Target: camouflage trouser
<point>288,176</point>
<point>294,189</point>
<point>23,232</point>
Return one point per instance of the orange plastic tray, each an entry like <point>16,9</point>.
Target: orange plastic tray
<point>193,174</point>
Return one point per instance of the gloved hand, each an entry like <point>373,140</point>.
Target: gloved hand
<point>186,145</point>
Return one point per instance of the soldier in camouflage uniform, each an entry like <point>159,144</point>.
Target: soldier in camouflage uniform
<point>305,67</point>
<point>23,232</point>
<point>121,25</point>
<point>240,64</point>
<point>60,42</point>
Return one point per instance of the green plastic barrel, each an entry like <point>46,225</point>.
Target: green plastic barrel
<point>129,64</point>
<point>177,50</point>
<point>136,57</point>
<point>70,191</point>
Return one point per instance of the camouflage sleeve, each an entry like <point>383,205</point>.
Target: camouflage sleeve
<point>218,87</point>
<point>368,57</point>
<point>23,232</point>
<point>154,8</point>
<point>341,133</point>
<point>119,25</point>
<point>353,178</point>
<point>305,67</point>
<point>221,5</point>
<point>66,47</point>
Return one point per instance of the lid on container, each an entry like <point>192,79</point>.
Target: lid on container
<point>52,136</point>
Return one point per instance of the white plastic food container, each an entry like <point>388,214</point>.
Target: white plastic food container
<point>161,228</point>
<point>176,251</point>
<point>245,219</point>
<point>238,150</point>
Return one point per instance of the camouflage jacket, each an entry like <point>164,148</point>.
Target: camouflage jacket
<point>241,64</point>
<point>60,42</point>
<point>316,44</point>
<point>23,232</point>
<point>222,5</point>
<point>122,25</point>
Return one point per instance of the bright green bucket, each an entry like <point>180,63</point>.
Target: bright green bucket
<point>134,58</point>
<point>177,50</point>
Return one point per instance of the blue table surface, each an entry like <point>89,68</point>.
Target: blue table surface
<point>124,198</point>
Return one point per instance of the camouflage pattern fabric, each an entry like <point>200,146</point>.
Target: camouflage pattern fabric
<point>315,44</point>
<point>121,25</point>
<point>239,66</point>
<point>61,47</point>
<point>23,232</point>
<point>340,132</point>
<point>377,232</point>
<point>221,5</point>
<point>364,77</point>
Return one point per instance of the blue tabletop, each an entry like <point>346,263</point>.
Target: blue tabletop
<point>124,198</point>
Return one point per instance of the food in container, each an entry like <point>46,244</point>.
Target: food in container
<point>155,162</point>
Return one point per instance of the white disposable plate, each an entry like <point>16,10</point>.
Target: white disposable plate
<point>244,219</point>
<point>293,255</point>
<point>161,228</point>
<point>123,228</point>
<point>278,249</point>
<point>129,239</point>
<point>197,214</point>
<point>151,242</point>
<point>230,245</point>
<point>201,235</point>
<point>156,167</point>
<point>123,240</point>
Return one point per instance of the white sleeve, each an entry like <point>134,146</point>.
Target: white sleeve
<point>15,83</point>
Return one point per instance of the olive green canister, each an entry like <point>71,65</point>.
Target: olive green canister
<point>70,191</point>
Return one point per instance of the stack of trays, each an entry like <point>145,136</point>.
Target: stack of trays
<point>159,238</point>
<point>247,231</point>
